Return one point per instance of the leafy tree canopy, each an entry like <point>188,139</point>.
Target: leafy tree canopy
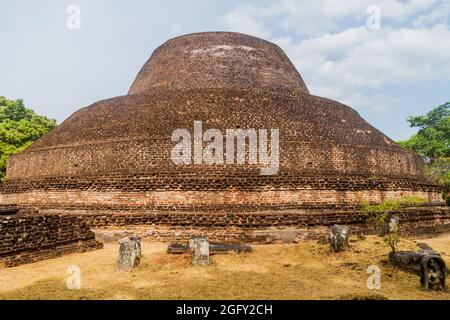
<point>432,141</point>
<point>19,127</point>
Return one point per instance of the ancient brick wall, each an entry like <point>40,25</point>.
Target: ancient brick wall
<point>30,238</point>
<point>130,152</point>
<point>214,201</point>
<point>114,156</point>
<point>262,226</point>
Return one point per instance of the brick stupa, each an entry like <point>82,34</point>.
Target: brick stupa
<point>110,162</point>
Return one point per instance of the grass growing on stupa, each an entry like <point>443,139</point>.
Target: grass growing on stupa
<point>296,271</point>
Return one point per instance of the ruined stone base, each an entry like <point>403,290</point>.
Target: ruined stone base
<point>263,227</point>
<point>43,254</point>
<point>26,239</point>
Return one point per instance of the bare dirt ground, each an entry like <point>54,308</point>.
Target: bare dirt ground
<point>296,271</point>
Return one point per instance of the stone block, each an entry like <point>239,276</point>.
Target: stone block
<point>338,238</point>
<point>129,253</point>
<point>199,248</point>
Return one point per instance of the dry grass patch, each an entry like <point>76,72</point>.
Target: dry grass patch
<point>297,271</point>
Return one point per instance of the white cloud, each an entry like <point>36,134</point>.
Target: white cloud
<point>441,14</point>
<point>342,65</point>
<point>247,19</point>
<point>354,65</point>
<point>313,17</point>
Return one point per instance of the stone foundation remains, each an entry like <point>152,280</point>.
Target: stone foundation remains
<point>258,227</point>
<point>31,238</point>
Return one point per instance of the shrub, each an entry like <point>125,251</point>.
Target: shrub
<point>379,215</point>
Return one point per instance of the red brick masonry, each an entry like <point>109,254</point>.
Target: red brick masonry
<point>109,163</point>
<point>265,227</point>
<point>25,239</point>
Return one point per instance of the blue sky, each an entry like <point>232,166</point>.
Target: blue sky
<point>386,73</point>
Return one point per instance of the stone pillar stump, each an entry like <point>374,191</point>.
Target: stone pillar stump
<point>338,238</point>
<point>199,248</point>
<point>129,253</point>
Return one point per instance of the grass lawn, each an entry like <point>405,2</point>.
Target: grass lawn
<point>294,271</point>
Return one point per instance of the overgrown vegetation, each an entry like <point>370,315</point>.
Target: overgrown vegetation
<point>381,217</point>
<point>432,142</point>
<point>19,127</point>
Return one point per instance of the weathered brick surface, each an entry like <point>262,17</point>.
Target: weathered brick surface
<point>254,226</point>
<point>113,157</point>
<point>131,136</point>
<point>217,60</point>
<point>262,226</point>
<point>214,201</point>
<point>30,238</point>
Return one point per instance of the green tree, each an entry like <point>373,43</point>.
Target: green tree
<point>19,127</point>
<point>432,142</point>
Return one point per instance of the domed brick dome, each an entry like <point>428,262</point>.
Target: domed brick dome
<point>218,60</point>
<point>114,156</point>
